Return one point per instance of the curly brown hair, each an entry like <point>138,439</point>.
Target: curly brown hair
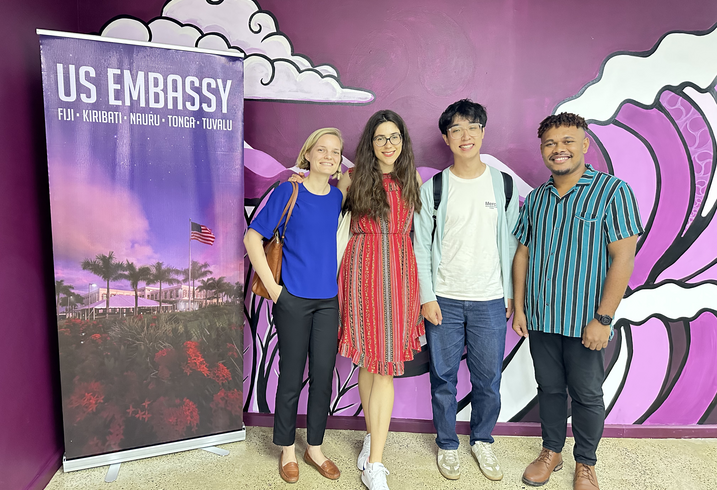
<point>562,119</point>
<point>366,195</point>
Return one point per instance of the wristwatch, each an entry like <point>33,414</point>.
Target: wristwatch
<point>603,319</point>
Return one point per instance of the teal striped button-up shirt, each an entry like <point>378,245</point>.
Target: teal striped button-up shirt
<point>567,239</point>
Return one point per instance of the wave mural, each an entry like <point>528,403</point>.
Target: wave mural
<point>662,364</point>
<point>652,116</point>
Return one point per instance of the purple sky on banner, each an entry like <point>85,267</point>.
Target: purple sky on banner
<point>132,188</point>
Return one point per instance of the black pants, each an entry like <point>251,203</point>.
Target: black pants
<point>304,326</point>
<point>563,362</point>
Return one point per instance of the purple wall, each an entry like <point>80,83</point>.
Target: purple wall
<point>30,418</point>
<point>519,58</point>
<point>30,422</point>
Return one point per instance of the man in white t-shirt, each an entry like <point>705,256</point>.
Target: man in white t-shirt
<point>464,251</point>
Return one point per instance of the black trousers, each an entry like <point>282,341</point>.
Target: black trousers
<point>304,327</point>
<point>564,363</point>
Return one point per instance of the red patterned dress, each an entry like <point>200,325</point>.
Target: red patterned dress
<point>380,319</point>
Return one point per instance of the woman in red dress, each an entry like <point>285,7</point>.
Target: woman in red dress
<point>378,281</point>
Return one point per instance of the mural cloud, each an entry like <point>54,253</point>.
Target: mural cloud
<point>678,58</point>
<point>272,71</point>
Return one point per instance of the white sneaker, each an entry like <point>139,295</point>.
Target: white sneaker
<point>374,476</point>
<point>448,463</point>
<point>365,452</point>
<point>487,461</point>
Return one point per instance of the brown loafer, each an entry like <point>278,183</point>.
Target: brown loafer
<point>585,477</point>
<point>538,472</point>
<point>289,472</point>
<point>328,469</point>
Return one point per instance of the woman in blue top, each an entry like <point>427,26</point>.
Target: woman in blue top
<point>306,313</point>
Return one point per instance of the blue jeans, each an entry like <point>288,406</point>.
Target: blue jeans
<point>479,326</point>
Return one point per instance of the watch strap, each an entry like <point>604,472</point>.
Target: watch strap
<point>603,319</point>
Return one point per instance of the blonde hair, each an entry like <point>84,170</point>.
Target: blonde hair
<point>311,141</point>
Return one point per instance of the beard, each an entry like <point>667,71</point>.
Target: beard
<point>563,170</point>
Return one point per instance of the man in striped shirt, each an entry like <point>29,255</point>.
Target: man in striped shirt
<point>577,234</point>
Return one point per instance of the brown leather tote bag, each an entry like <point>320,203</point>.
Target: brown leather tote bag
<point>273,248</point>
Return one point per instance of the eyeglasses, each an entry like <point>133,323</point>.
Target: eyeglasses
<point>456,132</point>
<point>381,140</point>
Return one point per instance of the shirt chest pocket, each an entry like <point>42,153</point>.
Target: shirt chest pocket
<point>586,229</point>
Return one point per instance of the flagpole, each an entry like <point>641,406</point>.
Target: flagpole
<point>189,275</point>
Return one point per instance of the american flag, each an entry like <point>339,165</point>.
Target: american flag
<point>202,234</point>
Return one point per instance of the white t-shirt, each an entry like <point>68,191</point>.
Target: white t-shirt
<point>470,265</point>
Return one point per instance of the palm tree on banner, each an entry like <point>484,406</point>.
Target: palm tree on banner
<point>62,289</point>
<point>237,292</point>
<point>163,275</point>
<point>108,269</point>
<point>73,300</point>
<point>136,275</point>
<point>222,288</point>
<point>208,286</point>
<point>199,271</point>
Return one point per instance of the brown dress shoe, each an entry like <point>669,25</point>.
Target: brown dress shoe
<point>538,472</point>
<point>289,472</point>
<point>585,477</point>
<point>328,469</point>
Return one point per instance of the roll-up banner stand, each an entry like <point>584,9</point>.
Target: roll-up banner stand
<point>144,149</point>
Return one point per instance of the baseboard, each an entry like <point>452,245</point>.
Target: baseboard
<point>523,429</point>
<point>47,471</point>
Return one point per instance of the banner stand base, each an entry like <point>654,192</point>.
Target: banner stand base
<point>112,473</point>
<point>113,459</point>
<point>216,450</point>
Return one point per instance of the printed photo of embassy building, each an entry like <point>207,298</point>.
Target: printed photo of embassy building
<point>174,298</point>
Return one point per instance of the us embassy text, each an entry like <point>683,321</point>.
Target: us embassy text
<point>152,90</point>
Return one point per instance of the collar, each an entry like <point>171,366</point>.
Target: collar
<point>585,179</point>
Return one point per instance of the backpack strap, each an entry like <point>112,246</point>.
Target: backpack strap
<point>437,189</point>
<point>507,188</point>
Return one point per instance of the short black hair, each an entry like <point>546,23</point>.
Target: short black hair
<point>466,108</point>
<point>563,119</point>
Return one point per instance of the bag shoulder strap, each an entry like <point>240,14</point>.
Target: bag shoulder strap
<point>437,190</point>
<point>507,188</point>
<point>288,209</point>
